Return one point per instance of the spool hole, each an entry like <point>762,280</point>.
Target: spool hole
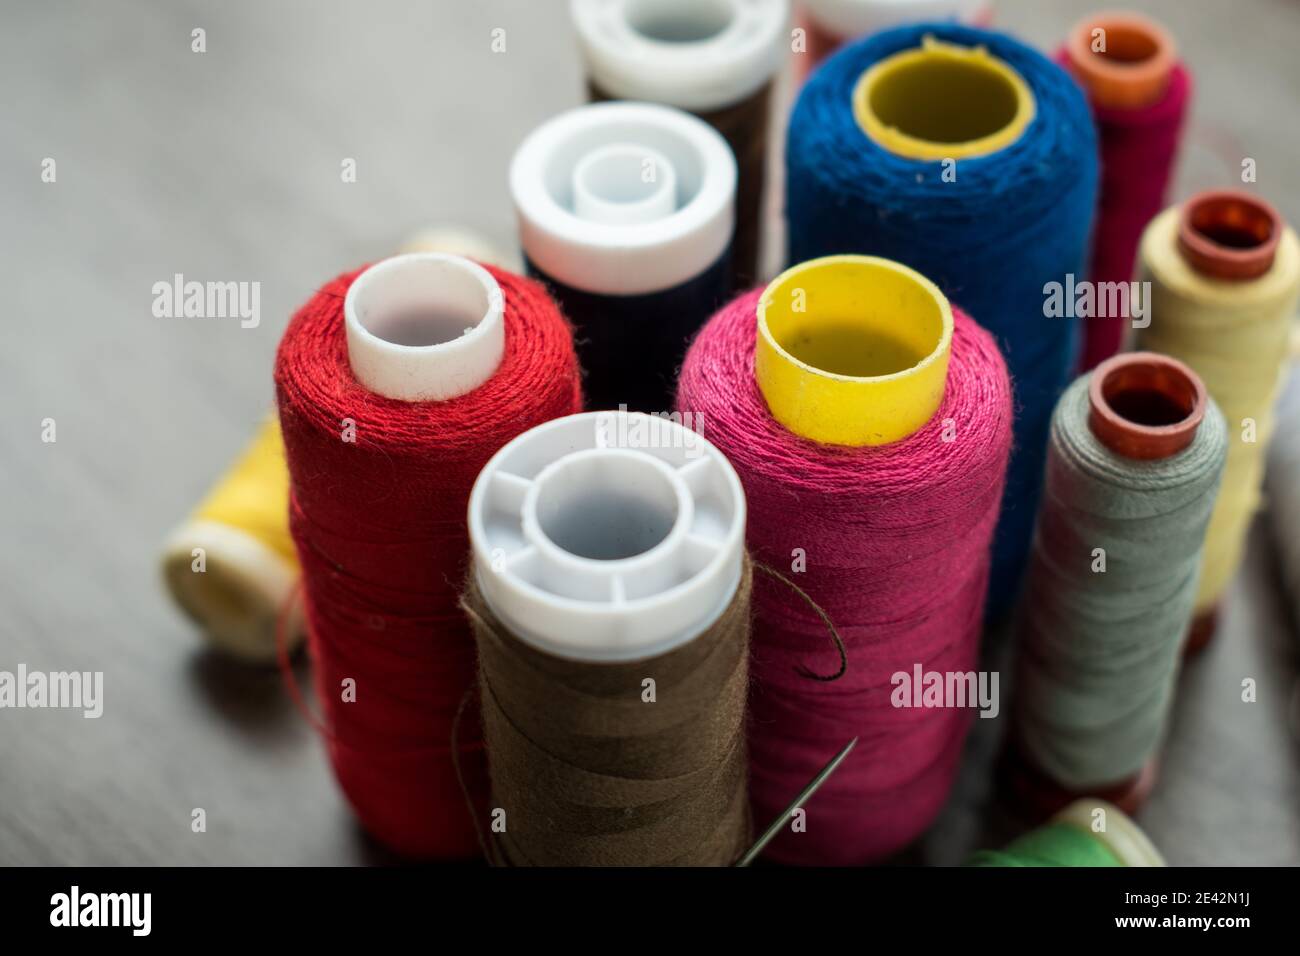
<point>679,21</point>
<point>1149,397</point>
<point>944,100</point>
<point>421,303</point>
<point>606,507</point>
<point>623,176</point>
<point>1232,222</point>
<point>868,323</point>
<point>1145,405</point>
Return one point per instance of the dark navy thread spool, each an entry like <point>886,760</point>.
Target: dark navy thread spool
<point>963,184</point>
<point>626,211</point>
<point>717,59</point>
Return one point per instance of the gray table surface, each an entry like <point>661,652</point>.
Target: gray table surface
<point>225,165</point>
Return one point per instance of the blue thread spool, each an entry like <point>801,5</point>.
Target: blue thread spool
<point>1012,213</point>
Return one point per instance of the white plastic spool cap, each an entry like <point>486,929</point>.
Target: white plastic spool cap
<point>566,236</point>
<point>424,327</point>
<point>608,536</point>
<point>623,184</point>
<point>855,18</point>
<point>697,55</point>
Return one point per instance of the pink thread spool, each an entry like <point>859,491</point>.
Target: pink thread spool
<point>1139,93</point>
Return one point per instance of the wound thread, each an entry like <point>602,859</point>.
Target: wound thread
<point>1234,333</point>
<point>590,774</point>
<point>1112,576</point>
<point>1139,92</point>
<point>378,492</point>
<point>992,231</point>
<point>878,527</point>
<point>1089,832</point>
<point>240,532</point>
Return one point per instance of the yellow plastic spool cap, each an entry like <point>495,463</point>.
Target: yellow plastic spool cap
<point>943,101</point>
<point>853,350</point>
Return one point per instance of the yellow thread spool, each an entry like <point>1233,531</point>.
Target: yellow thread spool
<point>853,350</point>
<point>250,567</point>
<point>943,101</point>
<point>1234,334</point>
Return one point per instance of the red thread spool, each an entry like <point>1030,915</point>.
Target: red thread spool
<point>1144,406</point>
<point>388,415</point>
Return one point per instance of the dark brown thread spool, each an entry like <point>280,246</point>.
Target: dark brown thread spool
<point>716,59</point>
<point>745,128</point>
<point>1143,406</point>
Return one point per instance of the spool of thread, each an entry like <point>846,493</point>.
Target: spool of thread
<point>1086,833</point>
<point>241,529</point>
<point>1282,491</point>
<point>610,601</point>
<point>1134,465</point>
<point>1139,91</point>
<point>878,134</point>
<point>231,565</point>
<point>626,212</point>
<point>870,424</point>
<point>717,59</point>
<point>829,24</point>
<point>395,386</point>
<point>1225,276</point>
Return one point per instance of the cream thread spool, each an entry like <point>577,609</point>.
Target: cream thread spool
<point>1225,275</point>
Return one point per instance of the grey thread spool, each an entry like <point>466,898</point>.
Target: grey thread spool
<point>1136,455</point>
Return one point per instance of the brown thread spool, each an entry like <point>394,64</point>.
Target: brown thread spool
<point>1146,407</point>
<point>1134,69</point>
<point>1231,235</point>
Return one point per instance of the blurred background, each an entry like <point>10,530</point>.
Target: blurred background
<point>226,165</point>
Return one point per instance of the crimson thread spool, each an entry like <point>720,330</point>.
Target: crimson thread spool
<point>829,24</point>
<point>1139,92</point>
<point>395,385</point>
<point>870,424</point>
<point>626,212</point>
<point>1224,274</point>
<point>717,59</point>
<point>1136,454</point>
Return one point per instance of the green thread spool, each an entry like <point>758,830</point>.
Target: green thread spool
<point>1069,839</point>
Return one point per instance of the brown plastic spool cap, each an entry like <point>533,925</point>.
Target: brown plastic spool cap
<point>1145,406</point>
<point>1229,234</point>
<point>1134,70</point>
<point>1036,796</point>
